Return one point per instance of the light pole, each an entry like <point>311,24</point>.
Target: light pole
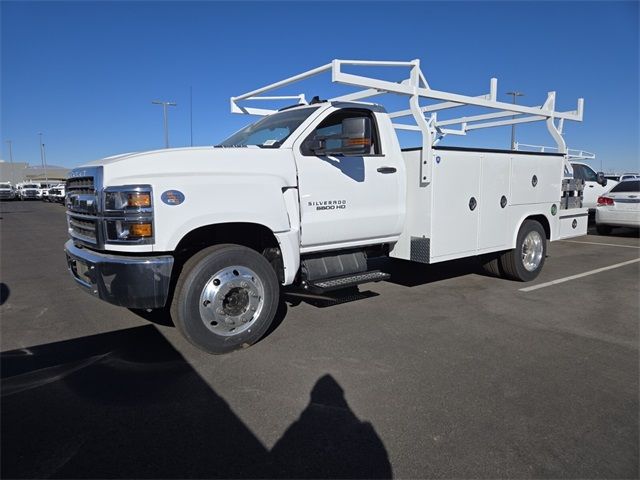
<point>9,142</point>
<point>166,120</point>
<point>43,158</point>
<point>514,94</point>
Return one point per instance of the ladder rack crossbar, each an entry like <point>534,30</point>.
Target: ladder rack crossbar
<point>572,153</point>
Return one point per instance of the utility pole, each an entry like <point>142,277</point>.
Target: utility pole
<point>46,175</point>
<point>191,113</point>
<point>11,160</point>
<point>166,120</point>
<point>43,158</point>
<point>514,94</point>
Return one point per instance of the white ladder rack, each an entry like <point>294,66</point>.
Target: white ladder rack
<point>416,87</point>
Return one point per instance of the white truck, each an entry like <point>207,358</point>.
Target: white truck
<point>28,191</point>
<point>7,192</point>
<point>308,197</point>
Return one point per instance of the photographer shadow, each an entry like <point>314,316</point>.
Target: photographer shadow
<point>126,404</point>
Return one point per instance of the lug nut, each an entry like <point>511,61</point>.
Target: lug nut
<point>206,303</point>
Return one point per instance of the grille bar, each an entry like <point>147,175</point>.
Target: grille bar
<point>80,185</point>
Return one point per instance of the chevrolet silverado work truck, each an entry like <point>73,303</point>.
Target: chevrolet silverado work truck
<point>310,196</point>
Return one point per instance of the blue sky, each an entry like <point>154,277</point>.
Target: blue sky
<point>85,73</point>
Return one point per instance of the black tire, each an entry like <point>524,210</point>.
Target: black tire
<point>217,337</point>
<point>512,262</point>
<point>603,229</point>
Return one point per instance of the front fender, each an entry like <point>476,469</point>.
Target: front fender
<point>258,201</point>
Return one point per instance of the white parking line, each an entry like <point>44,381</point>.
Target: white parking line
<point>598,243</point>
<point>580,275</point>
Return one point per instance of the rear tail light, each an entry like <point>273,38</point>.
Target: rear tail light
<point>605,201</point>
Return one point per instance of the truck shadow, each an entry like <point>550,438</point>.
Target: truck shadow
<point>126,404</point>
<point>411,274</point>
<point>620,232</point>
<point>162,316</point>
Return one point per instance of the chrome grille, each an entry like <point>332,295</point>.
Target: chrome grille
<point>82,185</point>
<point>82,202</point>
<point>83,227</point>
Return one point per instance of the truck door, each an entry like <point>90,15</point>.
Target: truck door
<point>348,200</point>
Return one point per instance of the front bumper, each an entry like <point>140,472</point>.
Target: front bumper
<point>133,282</point>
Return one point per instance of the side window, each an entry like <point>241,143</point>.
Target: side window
<point>578,172</point>
<point>589,174</point>
<point>332,125</point>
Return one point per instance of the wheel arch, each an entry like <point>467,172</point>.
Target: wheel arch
<point>276,247</point>
<point>541,218</point>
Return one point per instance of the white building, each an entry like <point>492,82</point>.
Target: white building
<point>16,172</point>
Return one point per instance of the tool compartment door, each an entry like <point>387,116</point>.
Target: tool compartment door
<point>494,185</point>
<point>454,224</point>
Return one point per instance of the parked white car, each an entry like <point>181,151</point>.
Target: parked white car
<point>629,176</point>
<point>620,207</point>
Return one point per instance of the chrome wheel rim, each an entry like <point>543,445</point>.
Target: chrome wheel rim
<point>231,300</point>
<point>532,249</point>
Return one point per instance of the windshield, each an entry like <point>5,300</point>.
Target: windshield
<point>627,186</point>
<point>30,186</point>
<point>270,131</point>
<point>5,185</point>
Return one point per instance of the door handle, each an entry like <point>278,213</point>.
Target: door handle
<point>590,186</point>
<point>387,169</point>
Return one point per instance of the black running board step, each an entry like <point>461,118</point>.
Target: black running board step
<point>346,281</point>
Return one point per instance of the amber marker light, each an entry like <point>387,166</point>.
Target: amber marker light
<point>141,230</point>
<point>358,141</point>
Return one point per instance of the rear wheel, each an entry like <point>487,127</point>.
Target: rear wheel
<point>525,262</point>
<point>225,298</point>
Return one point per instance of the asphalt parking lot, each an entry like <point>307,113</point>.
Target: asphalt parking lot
<point>442,372</point>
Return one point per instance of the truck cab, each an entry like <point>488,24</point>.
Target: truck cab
<point>595,184</point>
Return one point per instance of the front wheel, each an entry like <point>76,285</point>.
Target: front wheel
<point>226,298</point>
<point>525,262</point>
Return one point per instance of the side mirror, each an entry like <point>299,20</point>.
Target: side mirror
<point>354,139</point>
<point>601,179</point>
<point>356,136</point>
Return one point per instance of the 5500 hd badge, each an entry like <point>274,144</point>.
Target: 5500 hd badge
<point>329,204</point>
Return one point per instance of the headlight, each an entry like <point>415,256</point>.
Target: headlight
<point>128,214</point>
<point>123,200</point>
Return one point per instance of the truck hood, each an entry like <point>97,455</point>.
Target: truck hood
<point>144,167</point>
